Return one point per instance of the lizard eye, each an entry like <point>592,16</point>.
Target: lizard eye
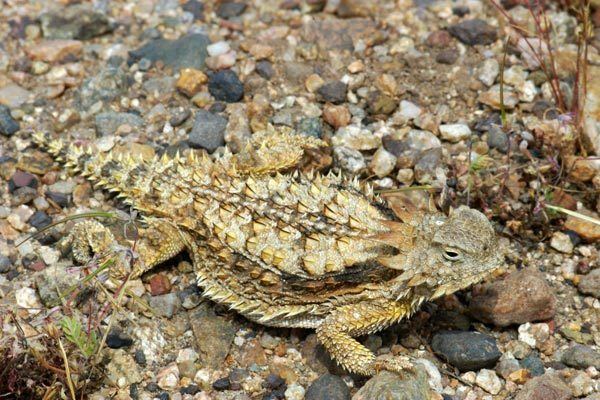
<point>451,255</point>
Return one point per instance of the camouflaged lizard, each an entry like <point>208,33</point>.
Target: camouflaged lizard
<point>288,250</point>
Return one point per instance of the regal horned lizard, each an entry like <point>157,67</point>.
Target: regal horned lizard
<point>288,250</point>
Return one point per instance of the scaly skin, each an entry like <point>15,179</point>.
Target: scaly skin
<point>291,250</point>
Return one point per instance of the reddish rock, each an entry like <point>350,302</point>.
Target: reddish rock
<point>253,353</point>
<point>336,116</point>
<point>589,231</point>
<point>523,296</point>
<point>439,39</point>
<point>159,284</point>
<point>546,387</point>
<point>54,50</point>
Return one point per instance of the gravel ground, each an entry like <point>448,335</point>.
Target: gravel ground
<point>407,94</point>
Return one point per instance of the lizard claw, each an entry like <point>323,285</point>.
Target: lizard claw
<point>399,364</point>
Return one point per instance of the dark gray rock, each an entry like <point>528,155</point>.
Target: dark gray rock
<point>497,139</point>
<point>473,32</point>
<point>580,356</point>
<point>230,9</point>
<point>39,219</point>
<point>226,86</point>
<point>333,92</point>
<point>208,131</point>
<point>107,85</point>
<point>447,56</point>
<point>8,125</point>
<point>179,116</point>
<point>186,52</point>
<point>107,123</point>
<point>328,387</point>
<point>265,69</point>
<point>389,386</point>
<point>467,351</point>
<point>74,22</point>
<point>533,364</point>
<point>194,7</point>
<point>213,335</point>
<point>5,264</point>
<point>117,339</point>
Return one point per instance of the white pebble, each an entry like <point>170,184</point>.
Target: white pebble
<point>218,48</point>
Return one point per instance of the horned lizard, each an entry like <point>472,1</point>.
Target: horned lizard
<point>288,250</point>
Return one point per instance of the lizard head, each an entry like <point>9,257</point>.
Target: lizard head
<point>449,253</point>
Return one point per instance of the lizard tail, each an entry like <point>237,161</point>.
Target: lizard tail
<point>116,173</point>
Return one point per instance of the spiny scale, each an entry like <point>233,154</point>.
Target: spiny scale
<point>302,225</point>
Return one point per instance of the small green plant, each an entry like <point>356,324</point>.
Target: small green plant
<point>86,343</point>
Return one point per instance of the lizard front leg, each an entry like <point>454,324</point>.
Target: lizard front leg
<point>338,330</point>
<point>157,243</point>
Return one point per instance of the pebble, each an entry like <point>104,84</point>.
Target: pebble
<point>222,61</point>
<point>27,299</point>
<point>380,103</point>
<point>310,127</point>
<point>108,123</point>
<point>53,51</point>
<point>455,132</point>
<point>561,242</point>
<point>213,335</point>
<point>447,56</point>
<point>117,340</point>
<point>388,385</point>
<point>498,139</point>
<point>74,22</point>
<point>265,69</point>
<point>429,166</point>
<point>546,387</point>
<point>218,48</point>
<point>590,284</point>
<point>189,51</point>
<point>294,392</point>
<point>332,92</point>
<point>108,84</point>
<point>581,356</point>
<point>466,351</point>
<point>168,378</point>
<point>208,131</point>
<point>507,365</point>
<point>230,9</point>
<point>439,39</point>
<point>489,381</point>
<point>336,115</point>
<point>488,72</point>
<point>122,370</point>
<point>330,387</point>
<point>159,284</point>
<point>8,125</point>
<point>348,159</point>
<point>492,98</point>
<point>474,32</point>
<point>165,305</point>
<point>356,138</point>
<point>523,296</point>
<point>190,81</point>
<point>195,7</point>
<point>382,163</point>
<point>408,110</point>
<point>13,96</point>
<point>588,231</point>
<point>226,86</point>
